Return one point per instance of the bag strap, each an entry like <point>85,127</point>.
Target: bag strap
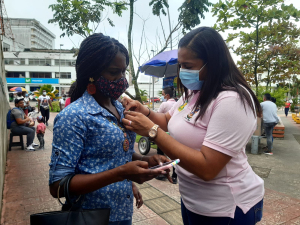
<point>65,183</point>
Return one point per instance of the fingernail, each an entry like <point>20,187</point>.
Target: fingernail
<point>160,163</point>
<point>163,172</point>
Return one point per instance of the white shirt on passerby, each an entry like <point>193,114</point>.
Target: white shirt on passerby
<point>269,112</point>
<point>166,106</point>
<point>62,102</point>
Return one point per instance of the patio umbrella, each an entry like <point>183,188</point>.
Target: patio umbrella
<point>18,89</point>
<point>162,65</point>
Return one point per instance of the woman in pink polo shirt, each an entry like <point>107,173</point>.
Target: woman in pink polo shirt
<point>209,128</point>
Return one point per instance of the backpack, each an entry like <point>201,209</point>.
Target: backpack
<point>9,121</point>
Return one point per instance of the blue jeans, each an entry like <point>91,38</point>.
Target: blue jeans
<point>286,111</point>
<point>269,133</point>
<point>124,222</point>
<point>253,216</point>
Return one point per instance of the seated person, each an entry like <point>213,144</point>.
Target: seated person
<point>22,124</point>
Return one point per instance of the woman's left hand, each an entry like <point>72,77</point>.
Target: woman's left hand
<point>137,195</point>
<point>159,160</point>
<point>138,123</point>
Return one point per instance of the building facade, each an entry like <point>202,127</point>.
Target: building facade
<point>34,68</point>
<point>31,33</point>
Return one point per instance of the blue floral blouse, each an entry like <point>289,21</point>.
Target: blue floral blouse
<point>86,142</point>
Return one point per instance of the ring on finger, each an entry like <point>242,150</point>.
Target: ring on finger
<point>129,122</point>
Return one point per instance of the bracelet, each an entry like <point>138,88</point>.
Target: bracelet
<point>149,112</point>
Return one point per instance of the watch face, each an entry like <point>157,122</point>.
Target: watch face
<point>152,133</point>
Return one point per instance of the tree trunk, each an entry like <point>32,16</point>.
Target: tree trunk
<point>255,63</point>
<point>131,68</point>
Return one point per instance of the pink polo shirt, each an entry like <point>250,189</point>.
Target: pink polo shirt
<point>225,127</point>
<point>166,106</point>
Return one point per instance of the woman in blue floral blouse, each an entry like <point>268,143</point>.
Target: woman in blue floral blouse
<point>89,139</point>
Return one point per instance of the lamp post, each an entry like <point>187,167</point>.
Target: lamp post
<point>59,68</point>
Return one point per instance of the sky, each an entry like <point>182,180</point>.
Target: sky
<point>39,10</point>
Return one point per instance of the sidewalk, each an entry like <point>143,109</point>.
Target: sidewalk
<point>26,185</point>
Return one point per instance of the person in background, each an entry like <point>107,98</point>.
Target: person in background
<point>270,119</point>
<point>62,102</point>
<point>22,124</point>
<point>209,128</point>
<point>19,95</point>
<point>40,132</point>
<point>287,108</point>
<point>43,105</point>
<point>168,102</point>
<point>68,100</point>
<point>26,104</point>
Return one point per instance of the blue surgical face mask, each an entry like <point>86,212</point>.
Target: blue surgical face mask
<point>190,79</point>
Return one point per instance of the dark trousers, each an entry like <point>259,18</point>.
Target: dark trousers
<point>253,216</point>
<point>45,113</point>
<point>160,152</point>
<point>269,133</point>
<point>286,111</point>
<point>22,130</point>
<point>41,139</point>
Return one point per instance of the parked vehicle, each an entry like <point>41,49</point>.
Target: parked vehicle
<point>156,99</point>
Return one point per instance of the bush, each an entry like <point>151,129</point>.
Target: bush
<point>56,107</point>
<point>278,93</point>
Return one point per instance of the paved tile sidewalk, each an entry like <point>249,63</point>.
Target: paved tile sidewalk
<point>26,192</point>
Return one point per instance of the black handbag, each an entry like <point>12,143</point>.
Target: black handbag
<point>72,212</point>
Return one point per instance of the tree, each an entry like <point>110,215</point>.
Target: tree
<point>190,11</point>
<point>253,15</point>
<point>82,17</point>
<point>49,89</point>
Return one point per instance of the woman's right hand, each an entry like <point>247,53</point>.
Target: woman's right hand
<point>138,172</point>
<point>134,105</point>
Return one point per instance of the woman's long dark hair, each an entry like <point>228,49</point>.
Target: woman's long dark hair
<point>95,54</point>
<point>222,73</point>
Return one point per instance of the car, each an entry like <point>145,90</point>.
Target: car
<point>156,99</point>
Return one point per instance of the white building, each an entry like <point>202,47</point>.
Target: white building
<point>35,67</point>
<point>9,45</point>
<point>31,33</point>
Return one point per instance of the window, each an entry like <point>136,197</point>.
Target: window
<point>40,75</point>
<point>15,74</point>
<point>65,62</point>
<point>6,47</point>
<point>63,75</point>
<point>15,61</point>
<point>40,62</point>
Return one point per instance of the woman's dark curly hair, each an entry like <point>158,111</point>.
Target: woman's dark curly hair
<point>95,55</point>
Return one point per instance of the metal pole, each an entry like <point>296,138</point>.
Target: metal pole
<point>153,92</point>
<point>153,85</point>
<point>59,88</point>
<point>59,71</point>
<point>149,94</point>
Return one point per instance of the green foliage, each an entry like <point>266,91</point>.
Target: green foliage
<point>190,11</point>
<point>49,89</point>
<point>295,102</point>
<point>144,98</point>
<point>268,31</point>
<point>56,107</point>
<point>278,93</point>
<point>143,92</point>
<point>78,16</point>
